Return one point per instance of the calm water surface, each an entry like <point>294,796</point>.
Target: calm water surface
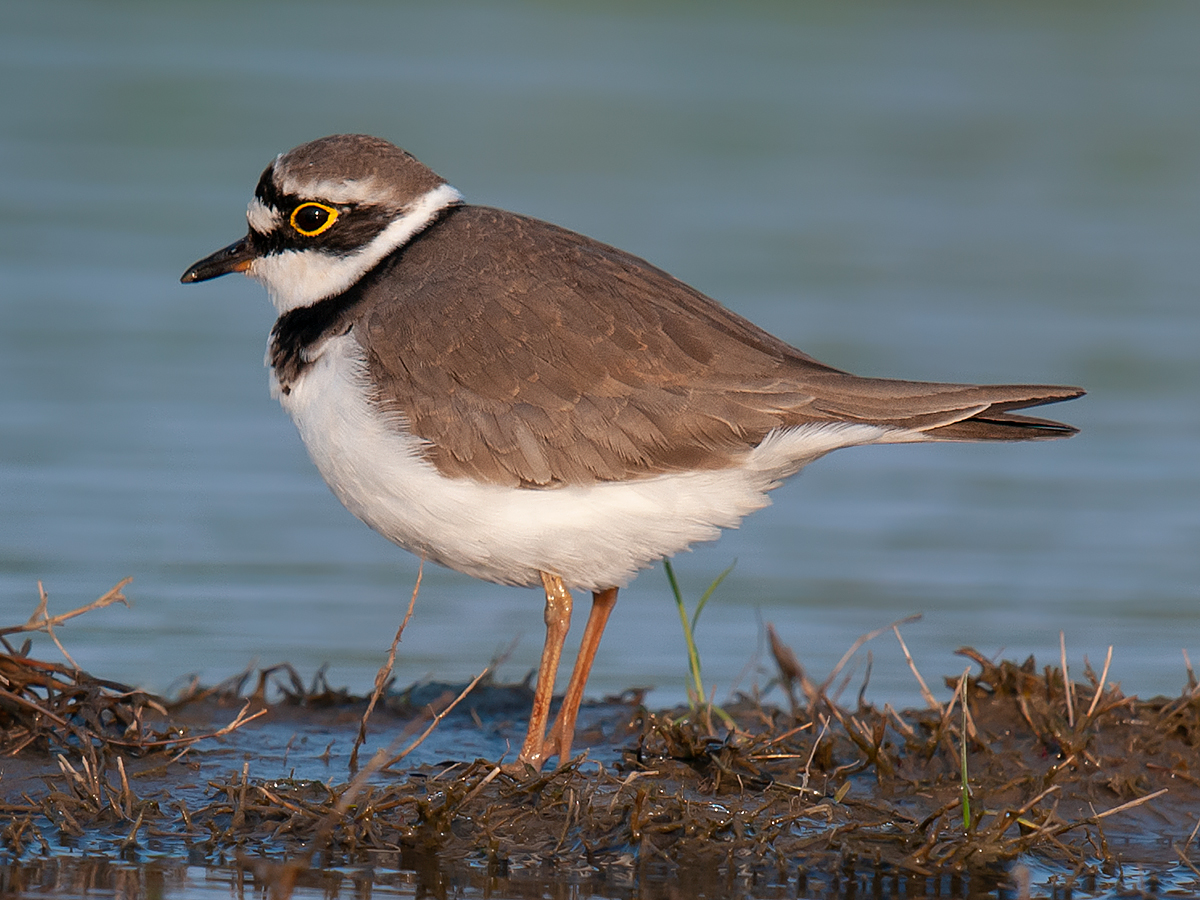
<point>1005,192</point>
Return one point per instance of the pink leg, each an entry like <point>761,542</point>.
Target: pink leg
<point>563,731</point>
<point>558,623</point>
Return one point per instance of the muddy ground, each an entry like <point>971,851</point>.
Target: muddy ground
<point>1025,784</point>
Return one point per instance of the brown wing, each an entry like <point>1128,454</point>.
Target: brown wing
<point>528,355</point>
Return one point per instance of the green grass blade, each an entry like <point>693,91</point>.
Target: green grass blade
<point>696,689</point>
<point>708,593</point>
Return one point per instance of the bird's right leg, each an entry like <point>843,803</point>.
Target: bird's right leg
<point>563,732</point>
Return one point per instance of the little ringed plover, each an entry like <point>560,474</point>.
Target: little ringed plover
<point>530,406</point>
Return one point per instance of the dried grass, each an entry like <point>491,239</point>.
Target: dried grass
<point>810,792</point>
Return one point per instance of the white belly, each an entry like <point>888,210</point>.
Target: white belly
<point>594,536</point>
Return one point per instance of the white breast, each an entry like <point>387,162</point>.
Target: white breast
<point>594,536</point>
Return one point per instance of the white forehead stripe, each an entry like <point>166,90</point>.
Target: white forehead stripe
<point>341,190</point>
<point>262,218</point>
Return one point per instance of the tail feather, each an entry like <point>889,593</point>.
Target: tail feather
<point>944,412</point>
<point>998,423</point>
<point>1000,426</point>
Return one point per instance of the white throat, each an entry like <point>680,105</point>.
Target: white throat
<point>296,278</point>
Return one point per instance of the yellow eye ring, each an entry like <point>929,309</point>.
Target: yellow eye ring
<point>311,219</point>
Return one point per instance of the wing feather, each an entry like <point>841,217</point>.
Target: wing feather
<point>524,354</point>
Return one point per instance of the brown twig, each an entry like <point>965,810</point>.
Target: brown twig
<point>926,693</point>
<point>188,741</point>
<point>1070,698</point>
<point>1192,836</point>
<point>1100,687</point>
<point>41,620</point>
<point>1183,858</point>
<point>790,670</point>
<point>29,704</point>
<point>436,719</point>
<point>904,728</point>
<point>1091,820</point>
<point>811,756</point>
<point>484,782</point>
<point>385,672</point>
<point>869,636</point>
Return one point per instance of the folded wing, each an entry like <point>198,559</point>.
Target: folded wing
<point>605,368</point>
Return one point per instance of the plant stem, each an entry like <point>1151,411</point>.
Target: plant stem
<point>696,688</point>
<point>696,692</point>
<point>966,783</point>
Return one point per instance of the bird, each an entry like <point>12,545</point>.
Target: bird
<point>533,407</point>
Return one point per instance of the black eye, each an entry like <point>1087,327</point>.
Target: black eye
<point>310,219</point>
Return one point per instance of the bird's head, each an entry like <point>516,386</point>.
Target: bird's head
<point>325,213</point>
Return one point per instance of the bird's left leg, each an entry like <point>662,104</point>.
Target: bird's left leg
<point>558,623</point>
<point>563,731</point>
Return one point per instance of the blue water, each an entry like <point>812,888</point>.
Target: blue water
<point>992,192</point>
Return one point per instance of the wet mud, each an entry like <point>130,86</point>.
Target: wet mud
<point>1026,784</point>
